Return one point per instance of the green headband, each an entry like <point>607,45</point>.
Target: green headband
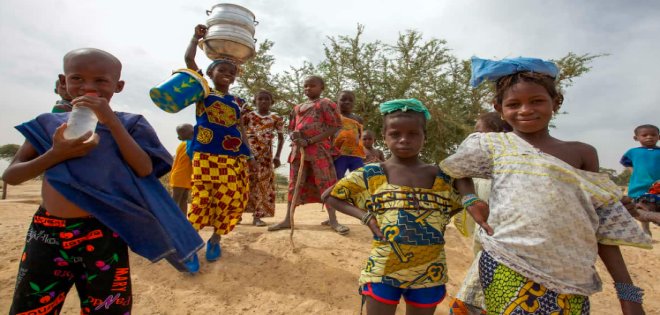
<point>404,106</point>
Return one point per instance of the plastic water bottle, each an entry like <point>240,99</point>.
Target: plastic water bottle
<point>81,120</point>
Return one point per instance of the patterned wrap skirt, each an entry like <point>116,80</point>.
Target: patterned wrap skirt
<point>510,293</point>
<point>220,187</point>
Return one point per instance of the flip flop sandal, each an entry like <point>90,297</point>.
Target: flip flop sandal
<point>341,229</point>
<point>259,222</point>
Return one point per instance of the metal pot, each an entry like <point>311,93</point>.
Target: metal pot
<point>230,33</point>
<point>225,40</point>
<point>227,13</point>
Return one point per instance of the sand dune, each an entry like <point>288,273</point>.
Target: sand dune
<point>260,274</point>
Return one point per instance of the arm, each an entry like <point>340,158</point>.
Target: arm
<point>191,50</point>
<point>349,209</point>
<point>280,144</point>
<point>589,158</point>
<point>131,152</point>
<point>645,212</point>
<point>28,164</point>
<point>381,156</point>
<point>137,159</point>
<point>616,266</point>
<point>302,142</point>
<point>479,209</point>
<point>327,134</point>
<point>251,162</point>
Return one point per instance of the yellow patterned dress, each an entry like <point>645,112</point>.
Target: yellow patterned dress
<point>413,221</point>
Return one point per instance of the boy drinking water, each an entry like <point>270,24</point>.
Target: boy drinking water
<point>98,194</point>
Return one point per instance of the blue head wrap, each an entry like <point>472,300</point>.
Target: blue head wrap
<point>404,106</point>
<point>484,69</point>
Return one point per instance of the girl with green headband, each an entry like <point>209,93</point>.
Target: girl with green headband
<point>407,204</point>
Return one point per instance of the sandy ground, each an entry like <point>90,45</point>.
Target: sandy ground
<point>260,274</point>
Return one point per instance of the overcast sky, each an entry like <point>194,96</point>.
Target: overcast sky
<point>150,37</point>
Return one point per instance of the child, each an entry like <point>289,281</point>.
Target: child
<point>469,299</point>
<point>372,155</point>
<point>182,167</point>
<point>551,214</point>
<point>312,125</point>
<point>407,204</point>
<point>220,182</point>
<point>645,163</point>
<point>347,141</point>
<point>262,125</point>
<point>98,194</point>
<point>64,104</point>
<point>647,209</point>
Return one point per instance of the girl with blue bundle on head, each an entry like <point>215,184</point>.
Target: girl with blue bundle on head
<point>549,214</point>
<point>407,204</point>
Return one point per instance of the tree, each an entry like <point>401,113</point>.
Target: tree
<point>8,151</point>
<point>620,179</point>
<point>377,72</point>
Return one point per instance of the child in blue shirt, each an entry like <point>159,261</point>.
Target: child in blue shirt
<point>645,163</point>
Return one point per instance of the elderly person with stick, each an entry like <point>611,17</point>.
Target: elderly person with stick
<point>312,171</point>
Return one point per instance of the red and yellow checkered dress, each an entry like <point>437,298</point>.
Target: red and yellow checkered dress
<point>220,186</point>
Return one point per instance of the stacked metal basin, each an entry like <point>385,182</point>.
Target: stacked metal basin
<point>230,33</point>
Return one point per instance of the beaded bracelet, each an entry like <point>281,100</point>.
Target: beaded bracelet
<point>629,292</point>
<point>469,200</point>
<point>366,218</point>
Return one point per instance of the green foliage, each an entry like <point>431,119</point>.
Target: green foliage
<point>620,179</point>
<point>8,151</point>
<point>411,67</point>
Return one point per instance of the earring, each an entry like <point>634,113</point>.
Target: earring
<point>501,117</point>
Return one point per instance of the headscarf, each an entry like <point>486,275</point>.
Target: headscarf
<point>404,105</point>
<point>221,61</point>
<point>492,70</point>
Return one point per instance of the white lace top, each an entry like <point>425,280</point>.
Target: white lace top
<point>548,217</point>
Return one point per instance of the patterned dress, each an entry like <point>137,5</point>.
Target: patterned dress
<point>220,181</point>
<point>548,218</point>
<point>319,169</point>
<point>349,138</point>
<point>261,130</point>
<point>412,219</point>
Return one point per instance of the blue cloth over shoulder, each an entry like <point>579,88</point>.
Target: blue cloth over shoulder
<point>492,70</point>
<point>139,209</point>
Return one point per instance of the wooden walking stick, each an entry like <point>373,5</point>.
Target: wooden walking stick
<point>296,193</point>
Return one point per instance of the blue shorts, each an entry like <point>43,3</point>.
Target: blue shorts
<point>347,163</point>
<point>387,294</point>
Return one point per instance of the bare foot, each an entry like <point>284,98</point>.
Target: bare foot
<point>284,225</point>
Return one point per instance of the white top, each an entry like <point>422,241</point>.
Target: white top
<point>548,217</point>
